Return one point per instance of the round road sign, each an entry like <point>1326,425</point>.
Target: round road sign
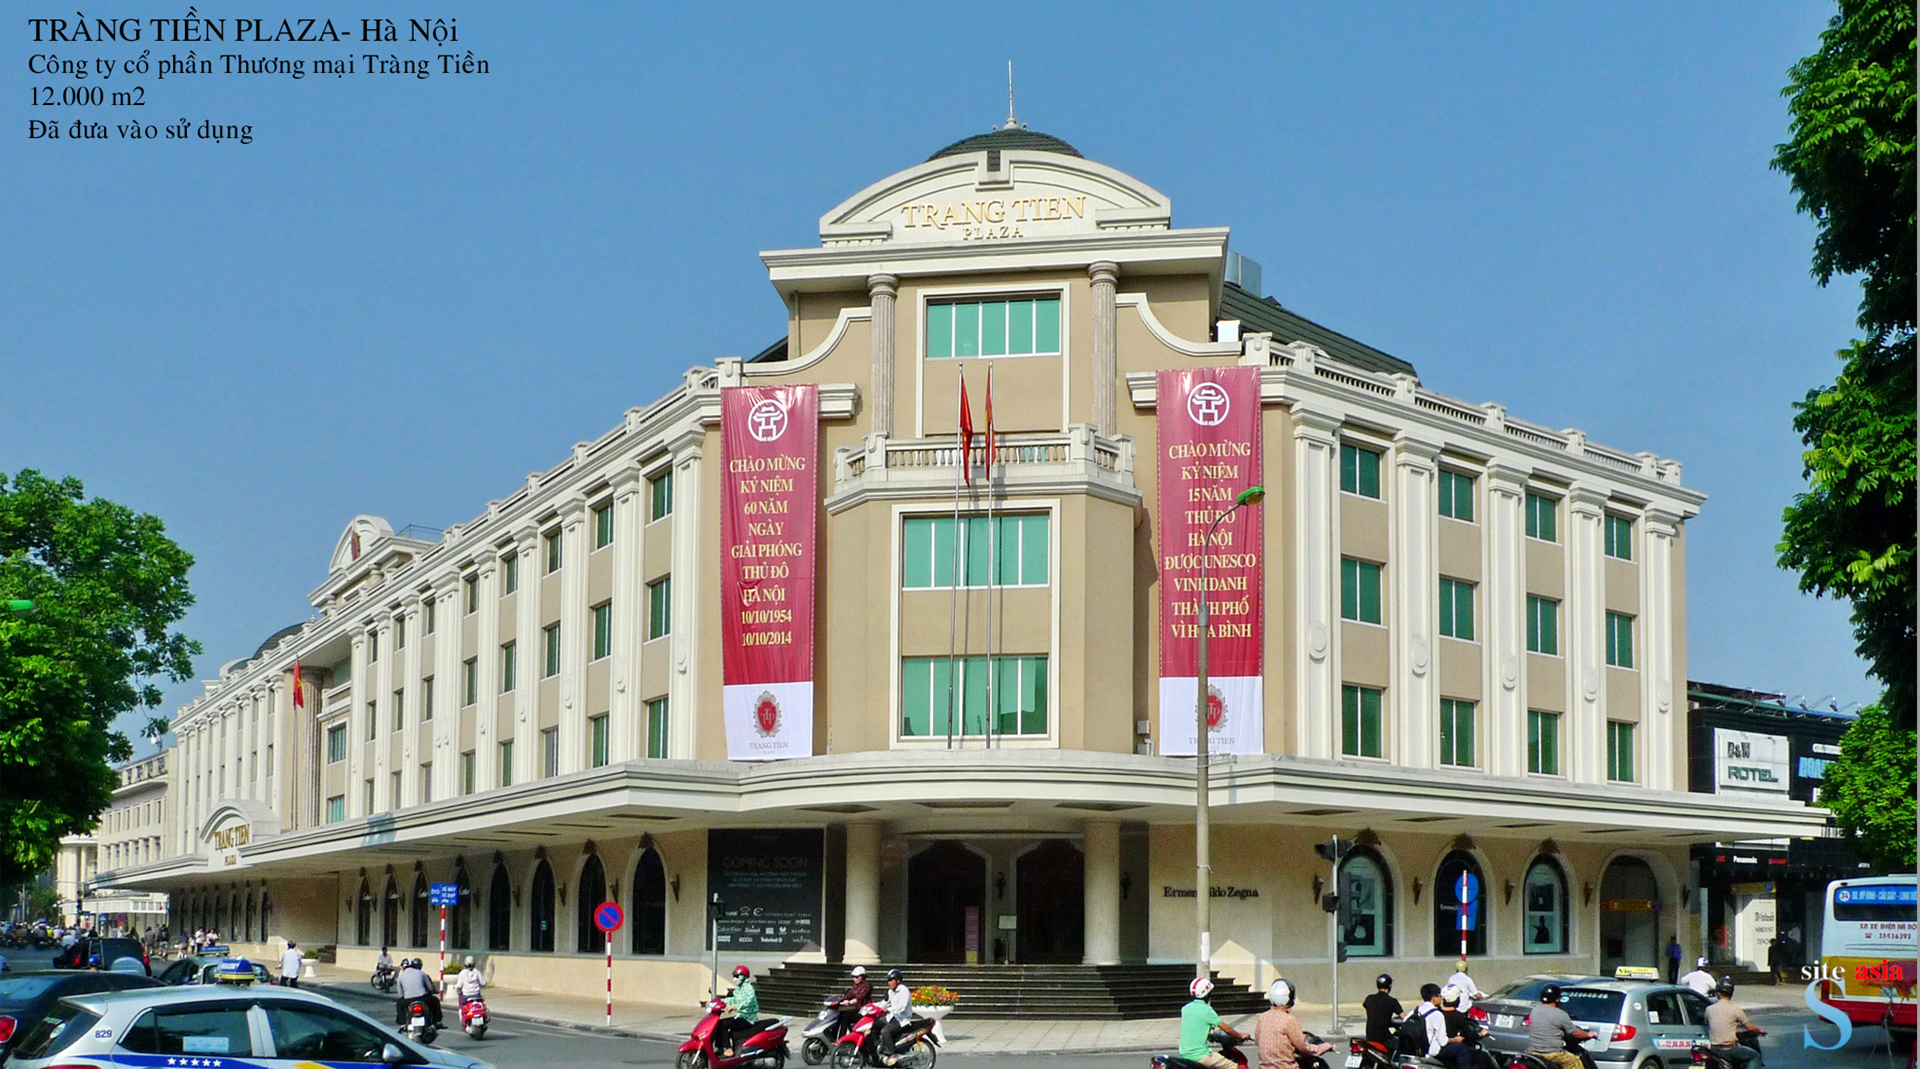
<point>608,917</point>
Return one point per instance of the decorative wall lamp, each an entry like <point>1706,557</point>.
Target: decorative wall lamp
<point>1318,886</point>
<point>1509,890</point>
<point>562,890</point>
<point>674,886</point>
<point>1416,890</point>
<point>1586,894</point>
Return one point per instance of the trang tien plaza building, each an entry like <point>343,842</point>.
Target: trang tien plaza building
<point>789,637</point>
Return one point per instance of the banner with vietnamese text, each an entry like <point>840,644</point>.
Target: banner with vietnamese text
<point>769,445</point>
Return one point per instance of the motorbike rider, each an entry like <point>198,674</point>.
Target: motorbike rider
<point>1278,1032</point>
<point>899,1012</point>
<point>383,963</point>
<point>744,1004</point>
<point>859,994</point>
<point>1197,1022</point>
<point>1724,1023</point>
<point>1463,1032</point>
<point>415,985</point>
<point>468,984</point>
<point>1700,980</point>
<point>1381,1009</point>
<point>1468,989</point>
<point>1550,1030</point>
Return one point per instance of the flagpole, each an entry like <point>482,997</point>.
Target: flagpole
<point>993,560</point>
<point>953,615</point>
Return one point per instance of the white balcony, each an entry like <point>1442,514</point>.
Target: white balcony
<point>1077,462</point>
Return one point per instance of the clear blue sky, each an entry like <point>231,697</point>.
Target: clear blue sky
<point>406,294</point>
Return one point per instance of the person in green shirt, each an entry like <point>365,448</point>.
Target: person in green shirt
<point>1197,1021</point>
<point>744,1004</point>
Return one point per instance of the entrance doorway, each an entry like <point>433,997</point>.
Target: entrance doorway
<point>1629,916</point>
<point>944,881</point>
<point>1051,881</point>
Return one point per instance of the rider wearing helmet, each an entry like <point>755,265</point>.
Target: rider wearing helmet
<point>1197,1021</point>
<point>1381,1009</point>
<point>469,982</point>
<point>899,1012</point>
<point>1551,1029</point>
<point>859,994</point>
<point>1724,1022</point>
<point>415,986</point>
<point>1278,1031</point>
<point>1700,980</point>
<point>1463,1032</point>
<point>744,1004</point>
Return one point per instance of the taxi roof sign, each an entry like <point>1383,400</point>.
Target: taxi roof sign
<point>1636,972</point>
<point>234,971</point>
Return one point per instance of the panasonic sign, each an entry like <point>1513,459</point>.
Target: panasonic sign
<point>1747,763</point>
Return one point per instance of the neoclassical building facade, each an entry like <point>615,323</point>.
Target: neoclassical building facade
<point>1462,640</point>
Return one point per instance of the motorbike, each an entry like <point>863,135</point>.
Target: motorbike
<point>420,1024</point>
<point>1706,1056</point>
<point>821,1033</point>
<point>1366,1054</point>
<point>765,1046</point>
<point>917,1047</point>
<point>383,978</point>
<point>1229,1049</point>
<point>473,1017</point>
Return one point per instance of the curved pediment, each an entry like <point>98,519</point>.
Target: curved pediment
<point>996,195</point>
<point>257,818</point>
<point>357,540</point>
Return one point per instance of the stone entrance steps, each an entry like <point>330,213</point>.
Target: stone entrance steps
<point>1048,992</point>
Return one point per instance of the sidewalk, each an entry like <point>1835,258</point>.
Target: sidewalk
<point>640,1020</point>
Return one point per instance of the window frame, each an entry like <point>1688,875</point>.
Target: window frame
<point>469,682</point>
<point>1383,913</point>
<point>336,732</point>
<point>1358,715</point>
<point>1616,731</point>
<point>659,723</point>
<point>469,771</point>
<point>1356,569</point>
<point>470,593</point>
<point>1537,720</point>
<point>1543,610</point>
<point>1617,536</point>
<point>1619,654</point>
<point>551,653</point>
<point>599,740</point>
<point>602,526</point>
<point>602,630</point>
<point>509,667</point>
<point>989,718</point>
<point>549,752</point>
<point>1562,911</point>
<point>503,761</point>
<point>1452,592</point>
<point>977,297</point>
<point>660,608</point>
<point>995,556</point>
<point>1538,506</point>
<point>555,550</point>
<point>1354,449</point>
<point>660,494</point>
<point>510,575</point>
<point>1450,734</point>
<point>1447,493</point>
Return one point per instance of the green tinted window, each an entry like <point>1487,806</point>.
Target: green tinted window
<point>1359,591</point>
<point>1360,734</point>
<point>1543,518</point>
<point>1359,471</point>
<point>1456,732</point>
<point>1025,326</point>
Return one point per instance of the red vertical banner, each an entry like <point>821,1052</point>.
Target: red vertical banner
<point>1207,421</point>
<point>770,446</point>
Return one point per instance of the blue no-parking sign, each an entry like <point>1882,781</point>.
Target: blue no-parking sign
<point>1467,893</point>
<point>608,917</point>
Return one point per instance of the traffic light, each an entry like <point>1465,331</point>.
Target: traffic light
<point>1333,849</point>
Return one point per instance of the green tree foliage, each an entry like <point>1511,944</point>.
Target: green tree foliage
<point>1851,534</point>
<point>107,585</point>
<point>1870,789</point>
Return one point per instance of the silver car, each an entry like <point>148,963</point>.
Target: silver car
<point>217,1027</point>
<point>1636,1024</point>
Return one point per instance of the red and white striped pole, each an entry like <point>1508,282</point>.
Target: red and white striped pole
<point>609,936</point>
<point>443,947</point>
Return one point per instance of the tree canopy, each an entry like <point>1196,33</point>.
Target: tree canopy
<point>1870,790</point>
<point>107,586</point>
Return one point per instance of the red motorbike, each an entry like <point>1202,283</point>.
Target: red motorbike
<point>473,1017</point>
<point>917,1047</point>
<point>764,1045</point>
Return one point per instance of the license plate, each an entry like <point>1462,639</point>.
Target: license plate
<point>479,1018</point>
<point>1503,1020</point>
<point>419,1022</point>
<point>1353,1061</point>
<point>1674,1044</point>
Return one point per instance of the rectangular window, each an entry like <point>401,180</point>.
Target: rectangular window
<point>426,782</point>
<point>1543,742</point>
<point>471,588</point>
<point>399,632</point>
<point>336,809</point>
<point>1360,722</point>
<point>553,551</point>
<point>1543,518</point>
<point>660,607</point>
<point>600,739</point>
<point>393,791</point>
<point>399,709</point>
<point>373,721</point>
<point>1456,732</point>
<point>426,699</point>
<point>550,752</point>
<point>931,688</point>
<point>1022,326</point>
<point>1010,551</point>
<point>1619,640</point>
<point>509,574</point>
<point>551,666</point>
<point>1359,471</point>
<point>1619,537</point>
<point>373,646</point>
<point>1359,591</point>
<point>602,630</point>
<point>1620,751</point>
<point>366,796</point>
<point>603,526</point>
<point>470,683</point>
<point>468,772</point>
<point>336,743</point>
<point>1456,609</point>
<point>506,763</point>
<point>660,495</point>
<point>657,728</point>
<point>1543,625</point>
<point>429,616</point>
<point>1456,495</point>
<point>508,675</point>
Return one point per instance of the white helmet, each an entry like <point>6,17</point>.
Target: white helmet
<point>469,961</point>
<point>1450,993</point>
<point>1281,993</point>
<point>1201,987</point>
<point>1700,963</point>
<point>859,970</point>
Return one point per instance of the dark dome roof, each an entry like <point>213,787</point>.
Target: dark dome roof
<point>1016,138</point>
<point>274,639</point>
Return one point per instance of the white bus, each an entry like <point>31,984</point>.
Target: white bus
<point>1868,946</point>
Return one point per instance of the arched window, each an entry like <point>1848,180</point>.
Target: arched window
<point>423,912</point>
<point>1446,907</point>
<point>247,929</point>
<point>1544,909</point>
<point>499,910</point>
<point>363,915</point>
<point>390,915</point>
<point>1366,905</point>
<point>593,891</point>
<point>266,916</point>
<point>649,918</point>
<point>540,915</point>
<point>460,914</point>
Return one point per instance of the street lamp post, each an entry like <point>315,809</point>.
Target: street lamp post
<point>1203,879</point>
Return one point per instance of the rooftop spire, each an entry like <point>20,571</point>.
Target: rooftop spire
<point>1012,123</point>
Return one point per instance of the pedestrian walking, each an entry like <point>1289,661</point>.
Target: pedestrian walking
<point>1673,959</point>
<point>290,961</point>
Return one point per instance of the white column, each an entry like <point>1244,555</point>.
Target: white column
<point>1656,643</point>
<point>408,675</point>
<point>357,726</point>
<point>576,638</point>
<point>1106,367</point>
<point>624,732</point>
<point>863,894</point>
<point>1414,574</point>
<point>1586,647</point>
<point>683,701</point>
<point>1102,892</point>
<point>487,684</point>
<point>383,673</point>
<point>446,689</point>
<point>526,663</point>
<point>1504,561</point>
<point>1316,453</point>
<point>881,292</point>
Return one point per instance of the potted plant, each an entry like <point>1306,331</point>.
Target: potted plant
<point>934,1002</point>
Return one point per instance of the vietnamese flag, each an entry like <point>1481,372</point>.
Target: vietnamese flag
<point>299,694</point>
<point>966,428</point>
